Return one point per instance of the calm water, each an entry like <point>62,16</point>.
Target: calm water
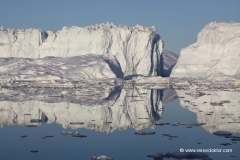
<point>110,121</point>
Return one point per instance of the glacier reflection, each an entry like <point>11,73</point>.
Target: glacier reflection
<point>101,109</point>
<point>220,110</point>
<point>107,109</point>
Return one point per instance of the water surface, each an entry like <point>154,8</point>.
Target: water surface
<point>111,117</point>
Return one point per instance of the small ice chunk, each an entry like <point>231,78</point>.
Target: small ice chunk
<point>222,133</point>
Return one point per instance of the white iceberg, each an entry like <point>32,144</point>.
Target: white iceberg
<point>216,51</point>
<point>136,49</point>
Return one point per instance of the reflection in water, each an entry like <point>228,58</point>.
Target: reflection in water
<point>94,108</point>
<point>109,109</point>
<point>220,110</point>
<point>168,95</point>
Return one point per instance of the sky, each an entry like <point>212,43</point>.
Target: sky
<point>177,21</point>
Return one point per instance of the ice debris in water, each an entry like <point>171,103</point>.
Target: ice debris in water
<point>102,157</point>
<point>66,133</point>
<point>179,155</point>
<point>144,133</point>
<point>222,133</point>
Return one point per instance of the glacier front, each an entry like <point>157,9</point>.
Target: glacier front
<point>215,52</point>
<point>136,49</point>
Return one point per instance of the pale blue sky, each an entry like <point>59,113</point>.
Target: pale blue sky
<point>177,21</point>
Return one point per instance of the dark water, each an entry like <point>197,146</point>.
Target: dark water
<point>110,126</point>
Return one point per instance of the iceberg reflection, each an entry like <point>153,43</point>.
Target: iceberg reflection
<point>220,110</point>
<point>96,108</point>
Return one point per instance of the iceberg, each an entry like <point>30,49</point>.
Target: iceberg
<point>137,49</point>
<point>215,52</point>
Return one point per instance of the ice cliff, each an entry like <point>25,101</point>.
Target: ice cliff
<point>215,52</point>
<point>136,49</point>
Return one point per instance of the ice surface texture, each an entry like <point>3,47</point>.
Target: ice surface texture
<point>216,51</point>
<point>137,49</point>
<point>75,68</point>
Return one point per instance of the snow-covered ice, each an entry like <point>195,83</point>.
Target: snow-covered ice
<point>136,49</point>
<point>216,51</point>
<point>53,69</point>
<point>106,51</point>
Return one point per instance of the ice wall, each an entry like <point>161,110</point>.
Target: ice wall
<point>24,43</point>
<point>137,49</point>
<point>216,51</point>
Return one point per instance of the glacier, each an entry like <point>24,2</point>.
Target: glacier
<point>216,52</point>
<point>136,49</point>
